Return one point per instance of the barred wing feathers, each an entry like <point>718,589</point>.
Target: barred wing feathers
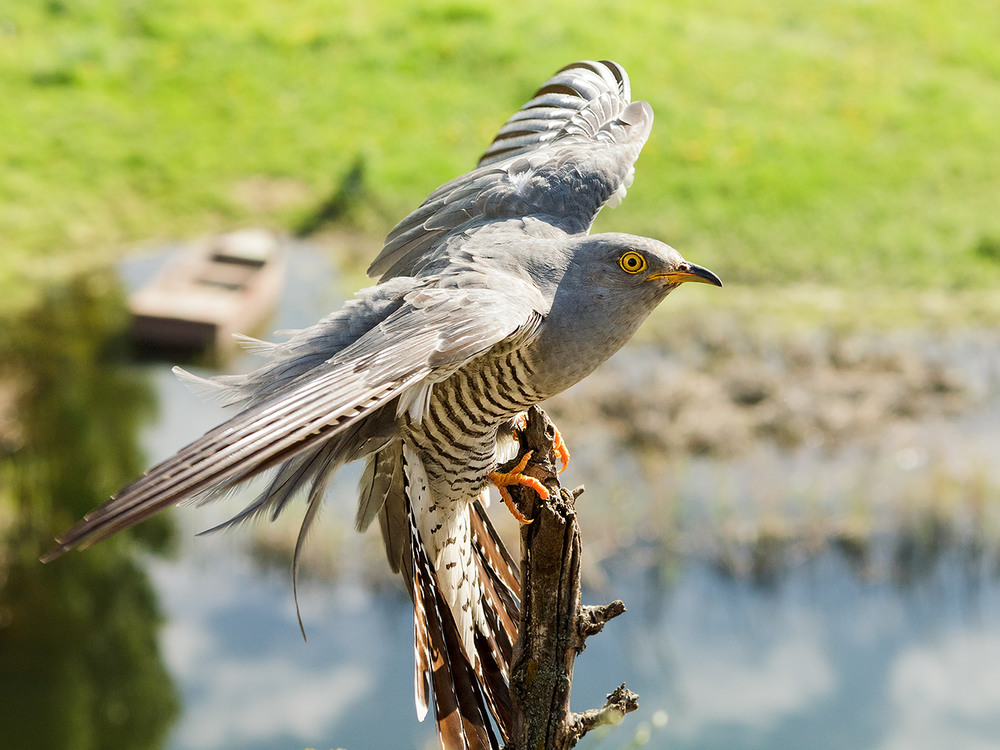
<point>569,151</point>
<point>435,330</point>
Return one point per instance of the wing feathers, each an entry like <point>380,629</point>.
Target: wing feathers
<point>242,447</point>
<point>572,90</point>
<point>566,153</point>
<point>436,328</point>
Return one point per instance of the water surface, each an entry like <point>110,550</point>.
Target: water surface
<point>759,615</point>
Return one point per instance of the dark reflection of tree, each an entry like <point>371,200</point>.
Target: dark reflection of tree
<point>79,662</point>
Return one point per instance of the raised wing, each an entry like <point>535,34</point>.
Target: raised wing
<point>564,155</point>
<point>432,332</point>
<point>580,97</point>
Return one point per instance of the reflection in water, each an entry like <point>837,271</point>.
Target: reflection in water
<point>79,660</point>
<point>817,658</point>
<point>820,657</point>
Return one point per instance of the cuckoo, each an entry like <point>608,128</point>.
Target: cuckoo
<point>491,296</point>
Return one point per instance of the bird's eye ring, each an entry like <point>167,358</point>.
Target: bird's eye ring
<point>632,262</point>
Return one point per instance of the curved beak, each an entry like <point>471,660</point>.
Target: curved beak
<point>689,272</point>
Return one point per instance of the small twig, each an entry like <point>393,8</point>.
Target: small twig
<point>620,702</point>
<point>592,619</point>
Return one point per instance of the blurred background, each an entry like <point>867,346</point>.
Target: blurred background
<point>792,482</point>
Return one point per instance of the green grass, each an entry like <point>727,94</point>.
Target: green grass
<point>796,142</point>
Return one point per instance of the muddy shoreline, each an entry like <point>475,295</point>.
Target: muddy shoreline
<point>718,389</point>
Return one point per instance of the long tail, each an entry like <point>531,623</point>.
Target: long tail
<point>501,594</point>
<point>442,671</point>
<point>465,693</point>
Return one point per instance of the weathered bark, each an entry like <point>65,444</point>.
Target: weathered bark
<point>554,627</point>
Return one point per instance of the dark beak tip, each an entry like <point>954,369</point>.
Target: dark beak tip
<point>704,275</point>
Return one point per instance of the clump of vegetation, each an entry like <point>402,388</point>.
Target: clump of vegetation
<point>988,247</point>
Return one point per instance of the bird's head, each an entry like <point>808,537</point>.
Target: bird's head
<point>640,267</point>
<point>610,285</point>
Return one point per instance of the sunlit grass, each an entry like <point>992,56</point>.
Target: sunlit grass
<point>843,144</point>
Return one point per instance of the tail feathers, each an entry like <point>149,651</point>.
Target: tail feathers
<point>423,659</point>
<point>492,672</point>
<point>462,692</point>
<point>459,707</point>
<point>443,529</point>
<point>493,551</point>
<point>500,587</point>
<point>500,591</point>
<point>501,629</point>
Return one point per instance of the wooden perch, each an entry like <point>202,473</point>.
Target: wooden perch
<point>554,627</point>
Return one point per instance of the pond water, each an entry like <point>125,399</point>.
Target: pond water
<point>889,638</point>
<point>820,659</point>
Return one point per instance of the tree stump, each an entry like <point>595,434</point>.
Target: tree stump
<point>554,626</point>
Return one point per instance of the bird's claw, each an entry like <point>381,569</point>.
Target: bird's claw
<point>503,479</point>
<point>558,444</point>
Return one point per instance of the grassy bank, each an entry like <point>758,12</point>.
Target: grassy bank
<point>820,143</point>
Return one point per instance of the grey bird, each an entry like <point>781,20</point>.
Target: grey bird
<point>493,297</point>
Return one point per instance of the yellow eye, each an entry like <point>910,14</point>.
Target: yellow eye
<point>632,262</point>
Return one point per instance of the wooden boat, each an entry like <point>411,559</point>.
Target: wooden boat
<point>202,296</point>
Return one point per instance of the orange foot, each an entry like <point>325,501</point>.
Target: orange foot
<point>506,478</point>
<point>558,444</point>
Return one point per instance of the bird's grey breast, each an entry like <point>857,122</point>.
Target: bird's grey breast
<point>586,324</point>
